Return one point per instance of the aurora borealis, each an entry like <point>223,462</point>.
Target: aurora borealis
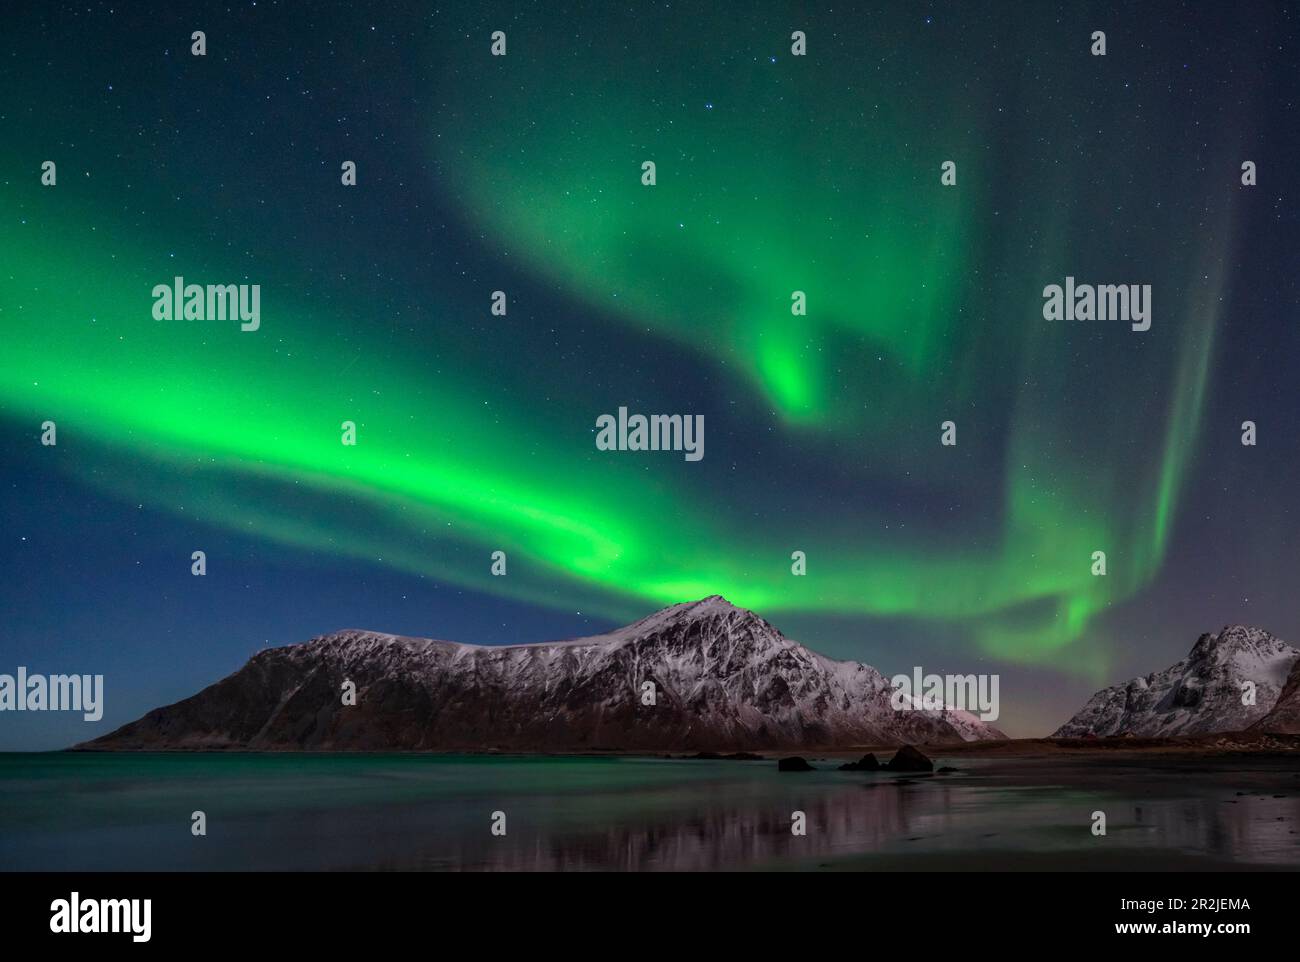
<point>775,174</point>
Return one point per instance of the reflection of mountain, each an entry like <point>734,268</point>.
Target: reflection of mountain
<point>975,819</point>
<point>934,820</point>
<point>1202,693</point>
<point>722,678</point>
<point>305,812</point>
<point>722,833</point>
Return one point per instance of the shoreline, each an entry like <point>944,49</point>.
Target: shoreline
<point>1235,743</point>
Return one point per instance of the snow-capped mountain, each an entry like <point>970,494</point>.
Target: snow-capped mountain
<point>1284,717</point>
<point>1200,694</point>
<point>723,679</point>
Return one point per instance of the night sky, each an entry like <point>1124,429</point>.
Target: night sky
<point>475,433</point>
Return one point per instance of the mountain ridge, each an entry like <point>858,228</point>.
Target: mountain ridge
<point>724,679</point>
<point>1199,694</point>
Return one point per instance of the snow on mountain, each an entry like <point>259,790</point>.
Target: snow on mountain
<point>724,679</point>
<point>1284,717</point>
<point>1200,694</point>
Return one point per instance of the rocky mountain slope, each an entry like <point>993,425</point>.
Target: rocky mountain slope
<point>1200,694</point>
<point>724,679</point>
<point>1284,717</point>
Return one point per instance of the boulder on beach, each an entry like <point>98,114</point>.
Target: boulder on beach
<point>867,763</point>
<point>908,759</point>
<point>795,763</point>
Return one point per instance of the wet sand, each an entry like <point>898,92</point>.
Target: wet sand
<point>1015,807</point>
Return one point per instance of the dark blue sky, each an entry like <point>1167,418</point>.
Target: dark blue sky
<point>95,581</point>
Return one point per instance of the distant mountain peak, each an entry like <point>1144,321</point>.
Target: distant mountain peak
<point>711,606</point>
<point>1200,694</point>
<point>1235,640</point>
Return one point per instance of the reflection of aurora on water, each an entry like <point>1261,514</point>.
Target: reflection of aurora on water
<point>290,812</point>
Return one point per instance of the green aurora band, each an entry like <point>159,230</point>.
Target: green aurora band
<point>242,430</point>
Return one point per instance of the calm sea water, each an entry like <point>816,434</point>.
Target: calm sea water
<point>425,812</point>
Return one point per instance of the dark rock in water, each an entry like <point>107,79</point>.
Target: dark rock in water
<point>867,763</point>
<point>946,769</point>
<point>718,757</point>
<point>795,763</point>
<point>908,759</point>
